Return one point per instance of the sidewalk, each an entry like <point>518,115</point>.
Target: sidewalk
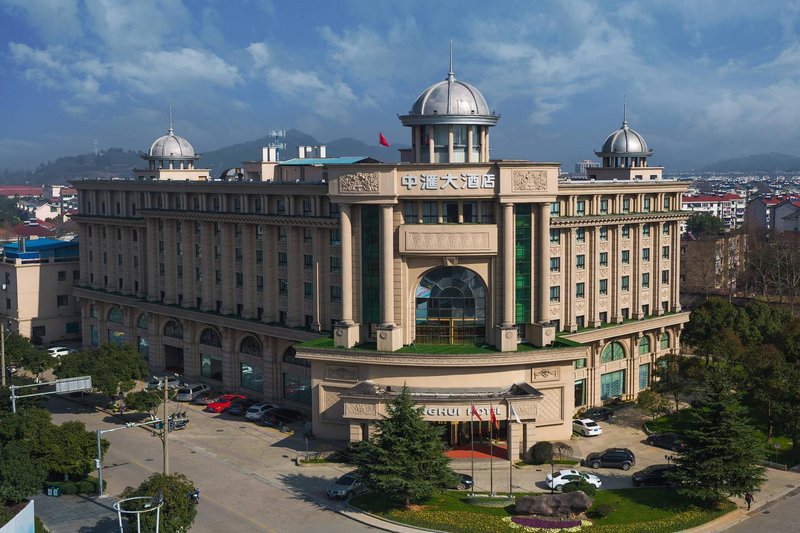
<point>81,514</point>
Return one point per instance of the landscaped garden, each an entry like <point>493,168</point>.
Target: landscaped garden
<point>656,510</point>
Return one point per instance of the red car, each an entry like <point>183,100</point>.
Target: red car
<point>223,402</point>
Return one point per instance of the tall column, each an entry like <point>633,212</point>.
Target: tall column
<point>170,263</point>
<point>508,265</point>
<point>228,267</point>
<point>389,335</point>
<point>656,275</point>
<point>151,238</point>
<point>248,271</point>
<point>188,283</point>
<point>544,263</point>
<point>270,258</point>
<point>470,144</point>
<point>347,331</point>
<point>675,279</point>
<point>207,270</point>
<point>127,264</point>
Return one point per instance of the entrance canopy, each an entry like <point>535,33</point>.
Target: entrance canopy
<point>367,400</point>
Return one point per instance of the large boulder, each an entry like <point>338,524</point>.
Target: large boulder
<point>570,503</point>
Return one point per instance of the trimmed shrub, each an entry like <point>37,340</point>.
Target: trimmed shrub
<point>583,486</point>
<point>600,511</point>
<point>541,453</point>
<point>68,488</point>
<point>86,487</point>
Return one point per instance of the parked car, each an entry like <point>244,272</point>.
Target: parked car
<point>346,486</point>
<point>668,441</point>
<point>58,351</point>
<point>223,402</point>
<point>464,481</point>
<point>278,416</point>
<point>207,397</point>
<point>612,457</point>
<point>157,383</point>
<point>256,412</point>
<point>188,393</point>
<point>599,413</point>
<point>586,427</point>
<point>562,477</point>
<point>653,475</point>
<point>240,407</point>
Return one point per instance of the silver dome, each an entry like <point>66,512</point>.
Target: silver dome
<point>170,146</point>
<point>625,141</point>
<point>450,97</point>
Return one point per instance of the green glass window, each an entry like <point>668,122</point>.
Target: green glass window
<point>251,377</point>
<point>580,290</point>
<point>580,392</point>
<point>370,265</point>
<point>297,388</point>
<point>451,307</point>
<point>646,230</point>
<point>603,286</point>
<point>211,367</point>
<point>644,345</point>
<point>115,315</point>
<point>580,234</point>
<point>644,376</point>
<point>522,235</point>
<point>612,352</point>
<point>664,340</point>
<point>612,385</point>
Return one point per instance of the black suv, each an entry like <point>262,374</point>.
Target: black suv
<point>653,475</point>
<point>599,413</point>
<point>615,457</point>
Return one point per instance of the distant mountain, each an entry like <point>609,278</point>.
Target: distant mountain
<point>770,162</point>
<point>118,162</point>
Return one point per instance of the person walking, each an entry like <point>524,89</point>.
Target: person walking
<point>749,499</point>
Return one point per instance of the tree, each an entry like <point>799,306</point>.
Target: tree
<point>177,513</point>
<point>653,402</point>
<point>21,475</point>
<point>702,223</point>
<point>405,460</point>
<point>722,447</point>
<point>69,449</point>
<point>21,352</point>
<point>562,449</point>
<point>678,376</point>
<point>144,401</point>
<point>786,402</point>
<point>113,368</point>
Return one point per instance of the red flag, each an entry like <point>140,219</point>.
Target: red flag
<point>382,140</point>
<point>495,423</point>
<point>474,412</point>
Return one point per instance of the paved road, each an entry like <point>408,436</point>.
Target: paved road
<point>251,487</point>
<point>777,516</point>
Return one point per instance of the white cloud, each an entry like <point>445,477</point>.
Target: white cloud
<point>53,21</point>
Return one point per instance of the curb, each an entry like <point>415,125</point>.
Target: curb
<point>356,514</point>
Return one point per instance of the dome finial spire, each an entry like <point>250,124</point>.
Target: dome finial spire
<point>170,131</point>
<point>450,75</point>
<point>624,111</point>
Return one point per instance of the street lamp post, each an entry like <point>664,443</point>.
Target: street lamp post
<point>166,429</point>
<point>99,460</point>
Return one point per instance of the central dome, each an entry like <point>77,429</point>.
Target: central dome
<point>450,97</point>
<point>625,141</point>
<point>171,146</point>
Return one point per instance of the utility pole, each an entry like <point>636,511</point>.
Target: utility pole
<point>3,350</point>
<point>166,429</point>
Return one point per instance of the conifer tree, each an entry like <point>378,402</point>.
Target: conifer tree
<point>722,447</point>
<point>405,460</point>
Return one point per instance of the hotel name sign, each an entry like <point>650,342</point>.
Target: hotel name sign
<point>434,182</point>
<point>458,412</point>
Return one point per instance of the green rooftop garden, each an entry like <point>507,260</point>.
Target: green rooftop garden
<point>328,344</point>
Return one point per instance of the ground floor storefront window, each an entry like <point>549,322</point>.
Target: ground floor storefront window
<point>95,335</point>
<point>612,384</point>
<point>251,377</point>
<point>580,392</point>
<point>297,388</point>
<point>644,376</point>
<point>143,346</point>
<point>116,337</point>
<point>211,367</point>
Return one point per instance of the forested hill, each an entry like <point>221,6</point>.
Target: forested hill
<point>108,163</point>
<point>772,162</point>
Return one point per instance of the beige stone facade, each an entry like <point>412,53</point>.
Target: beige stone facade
<point>474,282</point>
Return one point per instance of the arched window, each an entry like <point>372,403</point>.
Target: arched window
<point>143,322</point>
<point>664,340</point>
<point>644,345</point>
<point>210,337</point>
<point>289,356</point>
<point>250,346</point>
<point>612,352</point>
<point>173,330</point>
<point>115,314</point>
<point>451,307</point>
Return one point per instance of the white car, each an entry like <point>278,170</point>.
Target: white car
<point>256,412</point>
<point>562,477</point>
<point>188,393</point>
<point>58,351</point>
<point>586,427</point>
<point>157,383</point>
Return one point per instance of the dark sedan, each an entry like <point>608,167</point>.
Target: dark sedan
<point>280,416</point>
<point>599,413</point>
<point>668,441</point>
<point>653,475</point>
<point>240,407</point>
<point>463,481</point>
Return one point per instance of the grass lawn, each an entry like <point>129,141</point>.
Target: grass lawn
<point>656,510</point>
<point>678,422</point>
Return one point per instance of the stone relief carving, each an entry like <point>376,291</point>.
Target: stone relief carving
<point>529,180</point>
<point>555,312</point>
<point>447,241</point>
<point>333,406</point>
<point>579,307</point>
<point>603,246</point>
<point>555,251</point>
<point>342,373</point>
<point>551,406</point>
<point>555,279</point>
<point>365,410</point>
<point>625,300</point>
<point>359,182</point>
<point>525,409</point>
<point>626,269</point>
<point>665,293</point>
<point>546,374</point>
<point>580,276</point>
<point>581,249</point>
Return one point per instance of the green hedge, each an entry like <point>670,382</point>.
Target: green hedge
<point>85,486</point>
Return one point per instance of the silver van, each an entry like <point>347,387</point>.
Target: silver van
<point>187,393</point>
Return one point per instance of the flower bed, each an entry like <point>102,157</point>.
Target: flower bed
<point>534,524</point>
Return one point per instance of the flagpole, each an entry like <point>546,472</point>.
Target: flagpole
<point>508,452</point>
<point>472,446</point>
<point>491,451</point>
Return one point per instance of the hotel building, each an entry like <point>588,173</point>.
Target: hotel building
<point>328,284</point>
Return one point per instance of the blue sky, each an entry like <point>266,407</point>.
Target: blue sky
<point>705,80</point>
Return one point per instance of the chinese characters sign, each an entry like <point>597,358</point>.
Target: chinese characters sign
<point>432,182</point>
